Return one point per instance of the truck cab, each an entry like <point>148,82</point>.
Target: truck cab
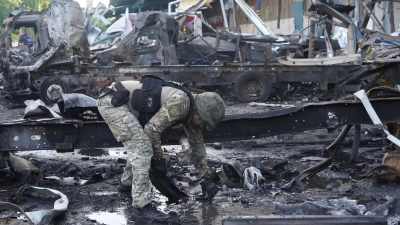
<point>59,46</point>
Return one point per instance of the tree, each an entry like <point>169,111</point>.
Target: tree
<point>31,5</point>
<point>6,7</point>
<point>36,5</point>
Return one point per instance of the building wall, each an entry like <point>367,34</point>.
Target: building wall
<point>269,14</point>
<point>380,10</point>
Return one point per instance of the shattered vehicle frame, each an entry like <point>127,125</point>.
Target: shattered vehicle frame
<point>153,39</point>
<point>59,44</point>
<point>60,60</point>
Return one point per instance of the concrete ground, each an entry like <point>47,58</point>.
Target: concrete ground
<point>99,202</point>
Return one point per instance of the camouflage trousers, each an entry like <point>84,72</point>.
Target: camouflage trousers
<point>126,129</point>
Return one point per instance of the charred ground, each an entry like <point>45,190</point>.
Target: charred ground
<point>98,201</point>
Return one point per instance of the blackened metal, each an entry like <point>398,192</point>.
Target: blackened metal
<point>331,152</point>
<point>332,149</point>
<point>305,219</point>
<point>46,134</point>
<point>356,143</point>
<point>167,187</point>
<point>229,176</point>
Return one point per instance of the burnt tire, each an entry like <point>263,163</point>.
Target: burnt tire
<point>252,86</point>
<point>51,90</point>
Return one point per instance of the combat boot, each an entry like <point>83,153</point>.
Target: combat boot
<point>150,213</point>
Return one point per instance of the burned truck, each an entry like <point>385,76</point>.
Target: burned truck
<point>59,45</point>
<point>54,65</point>
<point>62,59</point>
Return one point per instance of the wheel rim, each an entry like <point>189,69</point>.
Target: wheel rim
<point>253,88</point>
<point>54,92</point>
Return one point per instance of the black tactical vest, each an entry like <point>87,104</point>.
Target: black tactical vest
<point>147,100</point>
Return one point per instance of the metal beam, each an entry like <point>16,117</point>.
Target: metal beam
<point>291,61</point>
<point>373,17</point>
<point>305,219</point>
<point>333,12</point>
<point>67,134</point>
<point>257,21</point>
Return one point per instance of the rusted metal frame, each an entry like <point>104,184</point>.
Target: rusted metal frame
<point>391,17</point>
<point>311,40</point>
<point>310,73</point>
<point>348,23</point>
<point>67,135</point>
<point>333,12</point>
<point>332,150</point>
<point>278,21</point>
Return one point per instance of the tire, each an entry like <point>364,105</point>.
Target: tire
<point>51,90</point>
<point>252,86</point>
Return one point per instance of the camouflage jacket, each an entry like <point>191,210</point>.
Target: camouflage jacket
<point>175,105</point>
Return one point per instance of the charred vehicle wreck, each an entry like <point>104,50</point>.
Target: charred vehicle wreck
<point>59,45</point>
<point>67,57</point>
<point>80,127</point>
<point>61,62</point>
<point>53,65</point>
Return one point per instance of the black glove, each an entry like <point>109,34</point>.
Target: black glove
<point>209,189</point>
<point>213,177</point>
<point>159,167</point>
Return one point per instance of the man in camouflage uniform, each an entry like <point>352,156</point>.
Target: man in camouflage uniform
<point>144,145</point>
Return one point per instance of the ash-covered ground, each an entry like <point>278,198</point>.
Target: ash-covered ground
<point>98,202</point>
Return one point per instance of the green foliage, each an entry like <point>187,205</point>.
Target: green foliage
<point>31,5</point>
<point>36,5</point>
<point>100,24</point>
<point>6,7</point>
<point>15,35</point>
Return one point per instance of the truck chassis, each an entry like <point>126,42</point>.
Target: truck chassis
<point>250,82</point>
